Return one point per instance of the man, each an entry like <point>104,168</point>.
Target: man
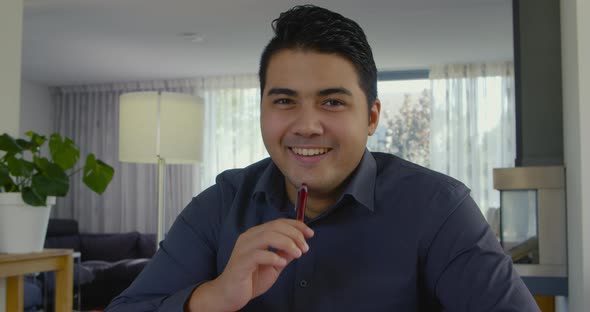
<point>380,233</point>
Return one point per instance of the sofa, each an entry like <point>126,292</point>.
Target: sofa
<point>108,262</point>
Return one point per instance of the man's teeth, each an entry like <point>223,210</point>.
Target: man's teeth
<point>309,151</point>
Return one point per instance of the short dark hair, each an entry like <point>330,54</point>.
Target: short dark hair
<point>308,27</point>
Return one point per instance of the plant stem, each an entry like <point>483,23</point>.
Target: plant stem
<point>75,171</point>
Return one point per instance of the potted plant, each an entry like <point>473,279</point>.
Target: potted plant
<point>29,183</point>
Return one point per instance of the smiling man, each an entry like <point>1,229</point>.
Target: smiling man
<point>380,233</point>
<point>315,121</point>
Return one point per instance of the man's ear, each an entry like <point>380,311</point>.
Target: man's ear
<point>374,116</point>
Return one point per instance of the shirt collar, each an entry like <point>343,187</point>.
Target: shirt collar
<point>270,184</point>
<point>362,183</point>
<point>361,186</point>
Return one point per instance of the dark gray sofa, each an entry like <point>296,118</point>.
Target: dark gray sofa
<point>108,264</point>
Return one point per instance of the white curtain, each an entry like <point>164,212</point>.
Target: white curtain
<point>232,137</point>
<point>90,116</point>
<point>473,125</point>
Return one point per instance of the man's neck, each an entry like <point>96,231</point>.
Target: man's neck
<point>317,203</point>
<point>316,207</point>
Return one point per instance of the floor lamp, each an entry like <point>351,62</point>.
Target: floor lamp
<point>160,128</point>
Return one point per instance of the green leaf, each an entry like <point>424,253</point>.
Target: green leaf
<point>41,163</point>
<point>24,144</point>
<point>97,174</point>
<point>4,176</point>
<point>36,140</point>
<point>63,152</point>
<point>33,198</point>
<point>11,187</point>
<point>19,167</point>
<point>53,182</point>
<point>9,145</point>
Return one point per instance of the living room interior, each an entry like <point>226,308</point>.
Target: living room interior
<point>78,57</point>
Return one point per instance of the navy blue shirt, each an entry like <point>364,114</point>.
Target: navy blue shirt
<point>400,238</point>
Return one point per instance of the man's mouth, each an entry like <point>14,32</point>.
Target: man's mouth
<point>309,151</point>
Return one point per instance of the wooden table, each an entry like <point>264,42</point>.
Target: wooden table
<point>14,266</point>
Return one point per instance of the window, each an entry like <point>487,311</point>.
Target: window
<point>404,125</point>
<point>455,119</point>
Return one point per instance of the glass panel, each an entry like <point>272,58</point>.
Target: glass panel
<point>404,124</point>
<point>519,225</point>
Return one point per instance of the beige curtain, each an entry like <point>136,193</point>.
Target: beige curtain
<point>473,125</point>
<point>90,116</point>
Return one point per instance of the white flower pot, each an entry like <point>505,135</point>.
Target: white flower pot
<point>22,227</point>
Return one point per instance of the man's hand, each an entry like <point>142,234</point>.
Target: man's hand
<point>259,256</point>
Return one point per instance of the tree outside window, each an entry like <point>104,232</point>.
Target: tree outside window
<point>404,126</point>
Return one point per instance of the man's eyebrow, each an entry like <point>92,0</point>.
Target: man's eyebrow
<point>330,91</point>
<point>281,91</point>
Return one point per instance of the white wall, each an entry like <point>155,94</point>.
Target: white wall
<point>11,20</point>
<point>575,36</point>
<point>36,109</point>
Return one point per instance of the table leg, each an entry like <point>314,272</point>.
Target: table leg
<point>546,303</point>
<point>64,285</point>
<point>15,293</point>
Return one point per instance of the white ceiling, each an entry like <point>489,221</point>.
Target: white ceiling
<point>67,42</point>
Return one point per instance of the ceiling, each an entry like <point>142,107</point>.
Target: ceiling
<point>69,42</point>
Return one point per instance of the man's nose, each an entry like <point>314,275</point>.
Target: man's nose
<point>308,121</point>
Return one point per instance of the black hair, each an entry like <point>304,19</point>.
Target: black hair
<point>308,27</point>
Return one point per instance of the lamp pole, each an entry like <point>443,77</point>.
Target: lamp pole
<point>161,173</point>
<point>161,182</point>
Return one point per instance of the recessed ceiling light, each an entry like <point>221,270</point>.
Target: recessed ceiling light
<point>192,37</point>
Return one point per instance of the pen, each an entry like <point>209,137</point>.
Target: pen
<point>301,201</point>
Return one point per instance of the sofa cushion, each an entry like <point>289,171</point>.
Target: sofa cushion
<point>110,280</point>
<point>146,245</point>
<point>126,269</point>
<point>69,242</point>
<point>82,275</point>
<point>62,227</point>
<point>109,247</point>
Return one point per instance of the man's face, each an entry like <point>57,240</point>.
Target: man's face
<point>315,120</point>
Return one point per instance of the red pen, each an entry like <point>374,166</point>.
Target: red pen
<point>301,201</point>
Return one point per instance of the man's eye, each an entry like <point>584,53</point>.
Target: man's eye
<point>283,101</point>
<point>333,103</point>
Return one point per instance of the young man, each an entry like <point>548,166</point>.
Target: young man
<point>380,233</point>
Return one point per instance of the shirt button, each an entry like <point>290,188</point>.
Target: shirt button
<point>303,283</point>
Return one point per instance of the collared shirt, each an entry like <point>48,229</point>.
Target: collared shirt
<point>400,238</point>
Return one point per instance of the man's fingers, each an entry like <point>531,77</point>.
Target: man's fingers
<point>306,230</point>
<point>302,227</point>
<point>279,224</point>
<point>265,257</point>
<point>285,255</point>
<point>294,229</point>
<point>276,240</point>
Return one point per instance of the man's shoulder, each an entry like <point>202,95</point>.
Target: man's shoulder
<point>400,173</point>
<point>238,176</point>
<point>216,199</point>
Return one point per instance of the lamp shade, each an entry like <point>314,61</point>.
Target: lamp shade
<point>164,124</point>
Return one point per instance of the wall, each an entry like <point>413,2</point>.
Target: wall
<point>575,32</point>
<point>36,108</point>
<point>555,118</point>
<point>11,17</point>
<point>538,79</point>
<point>11,21</point>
